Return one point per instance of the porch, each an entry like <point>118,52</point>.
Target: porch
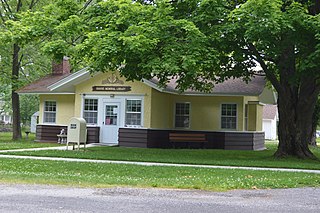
<point>159,138</point>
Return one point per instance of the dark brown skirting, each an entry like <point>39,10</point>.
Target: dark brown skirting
<point>48,133</point>
<point>157,138</point>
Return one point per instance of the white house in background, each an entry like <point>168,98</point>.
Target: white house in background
<point>4,116</point>
<point>269,122</point>
<point>34,122</point>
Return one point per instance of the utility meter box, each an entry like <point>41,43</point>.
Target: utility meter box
<point>77,131</point>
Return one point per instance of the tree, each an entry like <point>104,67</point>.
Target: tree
<point>202,42</point>
<point>14,54</point>
<point>196,41</point>
<point>29,105</point>
<point>283,37</point>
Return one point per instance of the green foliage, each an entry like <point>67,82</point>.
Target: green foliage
<point>271,27</point>
<point>316,114</point>
<point>199,43</point>
<point>29,104</point>
<point>143,41</point>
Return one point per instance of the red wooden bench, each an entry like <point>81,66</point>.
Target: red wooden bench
<point>187,138</point>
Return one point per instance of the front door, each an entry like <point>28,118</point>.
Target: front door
<point>111,123</point>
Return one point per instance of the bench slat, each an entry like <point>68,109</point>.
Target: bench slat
<point>186,135</point>
<point>187,138</point>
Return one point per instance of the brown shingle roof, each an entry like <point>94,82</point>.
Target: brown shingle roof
<point>228,87</point>
<point>41,85</point>
<point>231,86</point>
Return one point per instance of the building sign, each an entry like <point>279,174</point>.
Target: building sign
<point>111,88</point>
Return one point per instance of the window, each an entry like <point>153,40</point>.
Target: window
<point>182,118</point>
<point>229,116</point>
<point>50,109</point>
<point>90,111</point>
<point>133,112</point>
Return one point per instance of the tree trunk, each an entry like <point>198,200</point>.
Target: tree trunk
<point>295,108</point>
<point>15,97</point>
<point>297,98</point>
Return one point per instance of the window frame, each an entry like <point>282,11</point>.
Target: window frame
<point>126,112</point>
<point>229,116</point>
<point>175,116</point>
<point>51,112</point>
<point>90,111</point>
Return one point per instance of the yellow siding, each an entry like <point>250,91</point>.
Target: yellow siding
<point>255,116</point>
<point>254,124</point>
<point>65,107</point>
<point>259,117</point>
<point>250,98</point>
<point>137,88</point>
<point>161,110</point>
<point>205,112</point>
<point>252,117</point>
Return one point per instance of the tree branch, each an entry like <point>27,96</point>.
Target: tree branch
<point>20,60</point>
<point>32,3</point>
<point>272,78</point>
<point>19,5</point>
<point>86,5</point>
<point>2,17</point>
<point>6,7</point>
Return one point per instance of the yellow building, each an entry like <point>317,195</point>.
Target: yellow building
<point>143,114</point>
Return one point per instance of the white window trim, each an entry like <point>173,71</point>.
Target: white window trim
<point>82,109</point>
<point>237,110</point>
<point>89,96</point>
<point>142,111</point>
<point>44,108</point>
<point>174,112</point>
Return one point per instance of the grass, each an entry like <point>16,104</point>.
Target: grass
<point>107,175</point>
<point>6,142</point>
<point>186,156</point>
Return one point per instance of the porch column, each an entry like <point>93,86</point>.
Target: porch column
<point>255,116</point>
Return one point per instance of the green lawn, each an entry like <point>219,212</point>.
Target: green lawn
<point>186,156</point>
<point>6,142</point>
<point>106,175</point>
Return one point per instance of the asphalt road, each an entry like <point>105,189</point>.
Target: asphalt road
<point>43,198</point>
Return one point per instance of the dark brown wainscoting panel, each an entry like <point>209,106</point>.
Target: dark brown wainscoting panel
<point>48,133</point>
<point>158,138</point>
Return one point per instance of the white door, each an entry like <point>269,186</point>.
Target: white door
<point>111,123</point>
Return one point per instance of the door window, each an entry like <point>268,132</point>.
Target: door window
<point>111,117</point>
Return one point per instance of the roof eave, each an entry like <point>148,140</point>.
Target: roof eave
<point>176,92</point>
<point>46,93</point>
<point>68,79</point>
